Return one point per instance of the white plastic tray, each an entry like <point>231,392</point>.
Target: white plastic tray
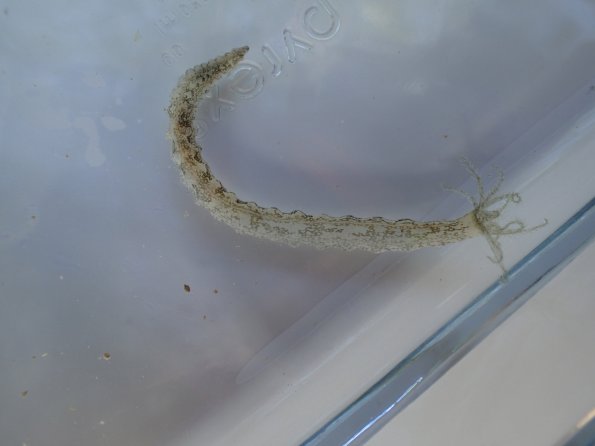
<point>346,107</point>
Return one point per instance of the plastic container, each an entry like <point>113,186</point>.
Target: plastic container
<point>129,316</point>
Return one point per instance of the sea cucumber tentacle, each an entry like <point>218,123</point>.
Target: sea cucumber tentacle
<point>375,234</point>
<point>486,215</point>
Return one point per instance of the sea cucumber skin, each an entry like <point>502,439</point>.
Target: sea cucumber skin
<point>295,228</point>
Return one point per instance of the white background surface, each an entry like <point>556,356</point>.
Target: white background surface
<point>528,383</point>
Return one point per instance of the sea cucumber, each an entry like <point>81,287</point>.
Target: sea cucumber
<point>375,234</point>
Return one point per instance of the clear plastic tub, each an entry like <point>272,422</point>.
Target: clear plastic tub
<point>130,316</point>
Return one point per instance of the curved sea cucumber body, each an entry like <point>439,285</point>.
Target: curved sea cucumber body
<point>375,234</point>
<point>295,228</point>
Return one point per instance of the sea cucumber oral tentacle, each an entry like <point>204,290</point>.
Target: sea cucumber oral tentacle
<point>375,234</point>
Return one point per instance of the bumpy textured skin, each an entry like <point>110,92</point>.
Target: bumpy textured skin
<point>295,228</point>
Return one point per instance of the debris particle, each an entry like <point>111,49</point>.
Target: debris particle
<point>215,291</point>
<point>43,355</point>
<point>24,393</point>
<point>187,288</point>
<point>107,356</point>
